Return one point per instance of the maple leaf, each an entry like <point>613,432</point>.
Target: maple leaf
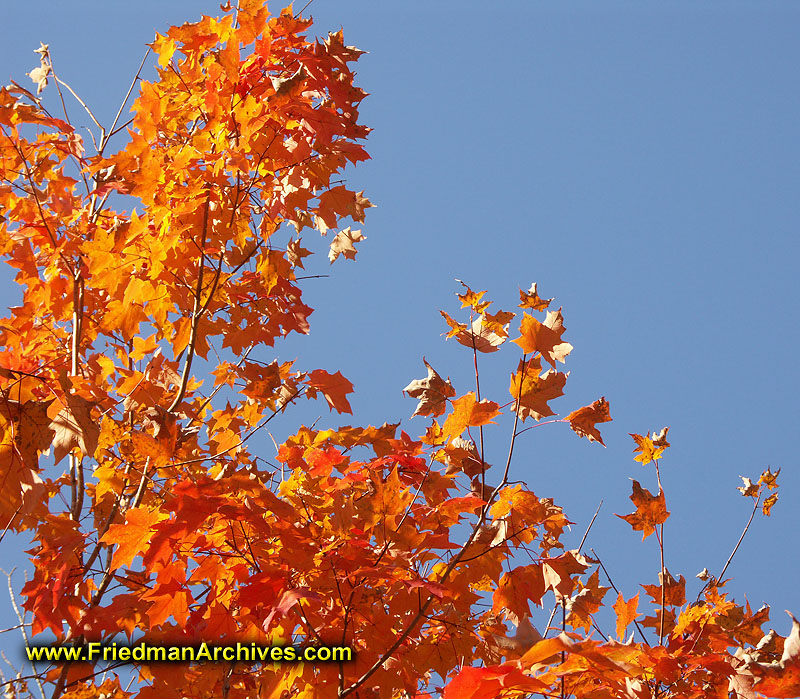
<point>626,613</point>
<point>674,590</point>
<point>295,253</point>
<point>533,389</point>
<point>29,431</point>
<point>41,73</point>
<point>132,537</point>
<point>480,335</point>
<point>544,338</point>
<point>749,489</point>
<point>781,678</point>
<point>432,392</point>
<point>472,299</point>
<point>344,244</point>
<point>516,589</point>
<point>559,572</point>
<point>770,478</point>
<point>74,427</point>
<point>583,420</point>
<point>462,455</point>
<point>651,510</point>
<point>490,682</point>
<point>524,638</point>
<point>649,450</point>
<point>497,322</point>
<point>768,504</point>
<point>334,387</point>
<point>467,412</point>
<point>531,299</point>
<point>586,602</point>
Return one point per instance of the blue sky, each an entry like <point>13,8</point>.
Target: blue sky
<point>638,160</point>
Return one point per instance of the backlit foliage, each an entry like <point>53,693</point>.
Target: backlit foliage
<point>136,370</point>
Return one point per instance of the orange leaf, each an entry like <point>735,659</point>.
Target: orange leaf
<point>531,299</point>
<point>472,299</point>
<point>583,420</point>
<point>132,537</point>
<point>768,504</point>
<point>626,613</point>
<point>516,588</point>
<point>483,335</point>
<point>334,387</point>
<point>536,389</point>
<point>651,448</point>
<point>651,510</point>
<point>490,682</point>
<point>544,338</point>
<point>468,412</point>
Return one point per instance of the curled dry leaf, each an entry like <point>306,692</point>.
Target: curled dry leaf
<point>749,489</point>
<point>432,393</point>
<point>651,510</point>
<point>344,244</point>
<point>769,503</point>
<point>531,299</point>
<point>480,335</point>
<point>583,420</point>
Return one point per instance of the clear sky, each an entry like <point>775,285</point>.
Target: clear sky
<point>639,160</point>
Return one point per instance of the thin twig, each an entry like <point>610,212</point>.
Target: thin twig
<point>111,130</point>
<point>589,528</point>
<point>735,548</point>
<point>22,627</point>
<point>84,105</point>
<point>196,314</point>
<point>660,537</point>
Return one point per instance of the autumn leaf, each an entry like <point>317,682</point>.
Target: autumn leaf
<point>583,420</point>
<point>586,602</point>
<point>560,572</point>
<point>749,489</point>
<point>27,428</point>
<point>533,389</point>
<point>531,299</point>
<point>781,678</point>
<point>334,387</point>
<point>472,299</point>
<point>41,73</point>
<point>544,338</point>
<point>770,478</point>
<point>480,335</point>
<point>74,427</point>
<point>132,537</point>
<point>674,590</point>
<point>516,589</point>
<point>432,393</point>
<point>626,613</point>
<point>768,504</point>
<point>650,448</point>
<point>489,682</point>
<point>651,510</point>
<point>344,244</point>
<point>467,412</point>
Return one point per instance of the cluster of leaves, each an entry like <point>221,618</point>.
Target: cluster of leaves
<point>165,526</point>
